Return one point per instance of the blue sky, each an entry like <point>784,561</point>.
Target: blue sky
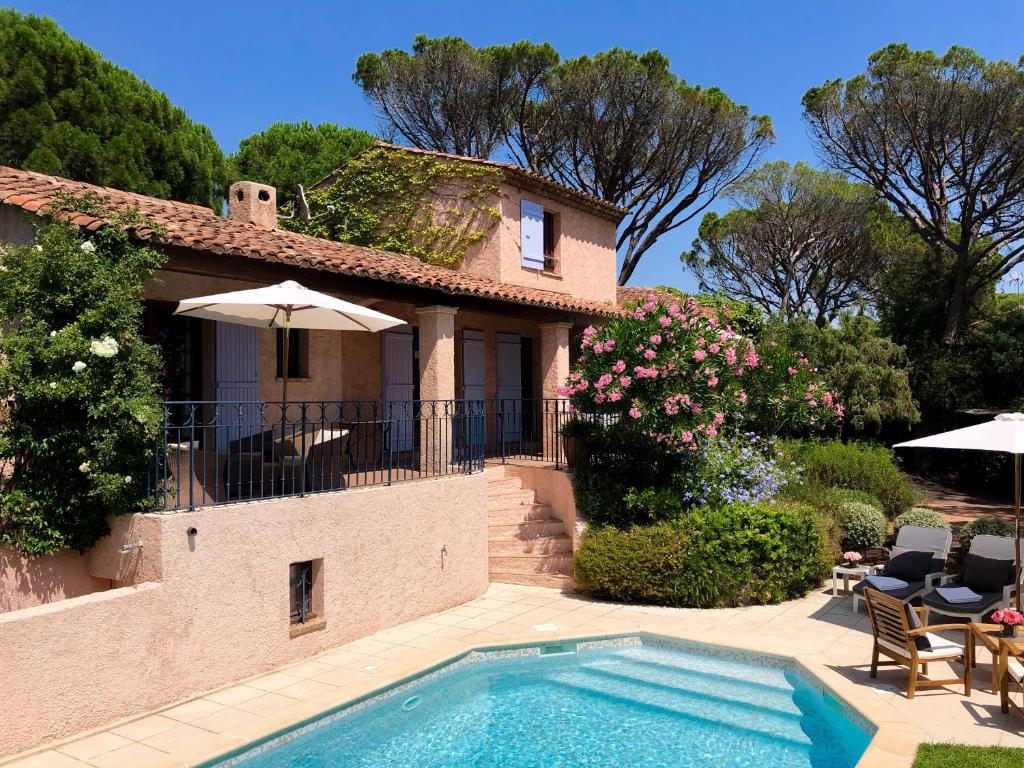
<point>239,66</point>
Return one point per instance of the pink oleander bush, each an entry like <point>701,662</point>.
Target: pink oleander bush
<point>682,374</point>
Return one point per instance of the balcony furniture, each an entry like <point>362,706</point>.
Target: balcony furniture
<point>912,538</point>
<point>1011,673</point>
<point>847,572</point>
<point>896,637</point>
<point>998,548</point>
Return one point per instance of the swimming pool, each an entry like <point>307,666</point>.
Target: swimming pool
<point>623,702</point>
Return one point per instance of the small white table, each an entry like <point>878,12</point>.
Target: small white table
<point>846,571</point>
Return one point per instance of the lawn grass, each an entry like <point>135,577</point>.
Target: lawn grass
<point>960,756</point>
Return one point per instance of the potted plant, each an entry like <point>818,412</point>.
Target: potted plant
<point>575,432</point>
<point>852,558</point>
<point>1010,619</point>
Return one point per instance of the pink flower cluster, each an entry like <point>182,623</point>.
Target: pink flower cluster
<point>1008,616</point>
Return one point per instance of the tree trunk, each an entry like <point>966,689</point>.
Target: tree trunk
<point>957,310</point>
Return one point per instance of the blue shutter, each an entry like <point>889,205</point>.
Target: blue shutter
<point>532,234</point>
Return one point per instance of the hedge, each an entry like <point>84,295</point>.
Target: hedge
<point>743,554</point>
<point>858,466</point>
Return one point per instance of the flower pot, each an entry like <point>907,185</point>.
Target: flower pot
<point>1011,630</point>
<point>575,451</point>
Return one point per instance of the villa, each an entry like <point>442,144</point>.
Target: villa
<point>393,542</point>
<point>249,562</point>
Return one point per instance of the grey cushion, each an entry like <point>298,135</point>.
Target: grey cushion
<point>939,603</point>
<point>902,593</point>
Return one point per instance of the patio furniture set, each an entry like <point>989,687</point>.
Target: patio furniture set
<point>902,635</point>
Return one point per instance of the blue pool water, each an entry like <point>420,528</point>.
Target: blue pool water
<point>643,705</point>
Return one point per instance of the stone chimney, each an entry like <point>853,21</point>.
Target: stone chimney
<point>252,202</point>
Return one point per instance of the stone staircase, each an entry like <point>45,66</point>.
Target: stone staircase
<point>527,543</point>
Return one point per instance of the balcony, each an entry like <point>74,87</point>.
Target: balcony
<point>225,452</point>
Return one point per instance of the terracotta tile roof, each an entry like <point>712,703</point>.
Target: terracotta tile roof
<point>523,176</point>
<point>198,228</point>
<point>626,294</point>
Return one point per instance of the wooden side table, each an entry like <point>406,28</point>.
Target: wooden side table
<point>989,636</point>
<point>846,571</point>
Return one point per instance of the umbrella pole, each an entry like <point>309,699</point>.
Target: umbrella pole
<point>284,394</point>
<point>1016,518</point>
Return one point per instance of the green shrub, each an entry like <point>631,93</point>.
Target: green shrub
<point>993,526</point>
<point>920,516</point>
<point>858,466</point>
<point>828,502</point>
<point>862,526</point>
<point>738,555</point>
<point>620,461</point>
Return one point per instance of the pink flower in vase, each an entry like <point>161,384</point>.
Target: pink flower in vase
<point>852,557</point>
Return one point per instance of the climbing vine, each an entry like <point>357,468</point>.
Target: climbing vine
<point>77,379</point>
<point>410,203</point>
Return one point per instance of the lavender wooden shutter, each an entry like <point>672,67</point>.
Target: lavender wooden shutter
<point>532,234</point>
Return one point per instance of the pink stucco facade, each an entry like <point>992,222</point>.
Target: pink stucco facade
<point>26,582</point>
<point>200,611</point>
<point>584,250</point>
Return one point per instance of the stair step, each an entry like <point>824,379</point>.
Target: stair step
<point>714,684</point>
<point>515,515</point>
<point>769,726</point>
<point>504,484</point>
<point>547,545</point>
<point>526,563</point>
<point>553,580</point>
<point>508,497</point>
<point>526,529</point>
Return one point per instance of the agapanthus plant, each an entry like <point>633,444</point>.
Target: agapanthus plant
<point>733,469</point>
<point>680,372</point>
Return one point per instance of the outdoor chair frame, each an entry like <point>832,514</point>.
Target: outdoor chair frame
<point>895,639</point>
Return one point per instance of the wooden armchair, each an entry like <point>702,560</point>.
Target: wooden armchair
<point>1011,673</point>
<point>896,639</point>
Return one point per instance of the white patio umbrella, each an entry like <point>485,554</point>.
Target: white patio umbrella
<point>1004,434</point>
<point>286,305</point>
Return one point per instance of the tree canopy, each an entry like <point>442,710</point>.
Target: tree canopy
<point>618,125</point>
<point>800,242</point>
<point>66,111</point>
<point>285,155</point>
<point>448,96</point>
<point>939,137</point>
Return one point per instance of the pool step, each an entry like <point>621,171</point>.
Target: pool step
<point>526,542</point>
<point>756,722</point>
<point>701,684</point>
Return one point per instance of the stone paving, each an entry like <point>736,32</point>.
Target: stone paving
<point>819,630</point>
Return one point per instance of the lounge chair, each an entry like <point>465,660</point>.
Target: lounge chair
<point>918,539</point>
<point>897,640</point>
<point>989,547</point>
<point>1011,671</point>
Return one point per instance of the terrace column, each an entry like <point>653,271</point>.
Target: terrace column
<point>437,388</point>
<point>554,368</point>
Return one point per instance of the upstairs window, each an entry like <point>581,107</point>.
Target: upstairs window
<point>550,241</point>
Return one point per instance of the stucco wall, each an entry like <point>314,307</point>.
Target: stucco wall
<point>220,612</point>
<point>585,250</point>
<point>25,582</point>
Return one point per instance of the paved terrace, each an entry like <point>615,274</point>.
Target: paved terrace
<point>819,630</point>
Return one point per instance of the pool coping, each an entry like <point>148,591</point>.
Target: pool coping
<point>893,744</point>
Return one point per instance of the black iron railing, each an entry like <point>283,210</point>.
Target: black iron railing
<point>525,428</point>
<point>224,452</point>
